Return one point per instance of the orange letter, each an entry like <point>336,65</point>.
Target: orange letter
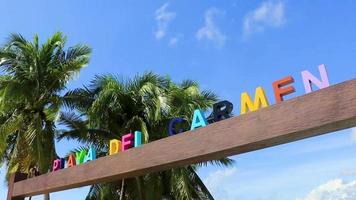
<point>279,92</point>
<point>71,161</point>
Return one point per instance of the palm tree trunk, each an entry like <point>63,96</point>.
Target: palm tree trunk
<point>139,182</point>
<point>46,196</point>
<point>122,192</point>
<point>201,184</point>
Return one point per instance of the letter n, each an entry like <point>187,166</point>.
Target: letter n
<point>308,79</point>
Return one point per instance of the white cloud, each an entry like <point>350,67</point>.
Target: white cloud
<point>353,133</point>
<point>163,17</point>
<point>215,182</point>
<point>333,189</point>
<point>268,14</point>
<point>215,178</point>
<point>210,31</point>
<point>173,41</point>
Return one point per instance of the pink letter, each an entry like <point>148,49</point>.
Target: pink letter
<point>56,165</point>
<point>127,141</point>
<point>308,79</point>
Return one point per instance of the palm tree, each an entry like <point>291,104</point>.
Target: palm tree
<point>111,106</point>
<point>34,75</point>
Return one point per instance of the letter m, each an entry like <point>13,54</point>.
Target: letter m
<point>259,101</point>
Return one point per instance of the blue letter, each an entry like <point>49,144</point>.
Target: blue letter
<point>174,121</point>
<point>63,163</point>
<point>199,119</point>
<point>138,138</point>
<point>91,155</point>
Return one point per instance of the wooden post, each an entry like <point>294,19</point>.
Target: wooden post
<point>15,177</point>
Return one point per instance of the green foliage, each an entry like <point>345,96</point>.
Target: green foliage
<point>114,106</point>
<point>31,101</point>
<point>34,75</point>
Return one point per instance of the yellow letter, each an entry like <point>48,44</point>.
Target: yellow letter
<point>260,101</point>
<point>115,146</point>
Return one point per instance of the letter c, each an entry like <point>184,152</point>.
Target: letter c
<point>172,123</point>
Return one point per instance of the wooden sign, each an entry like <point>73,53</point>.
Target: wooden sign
<point>316,113</point>
<point>221,110</point>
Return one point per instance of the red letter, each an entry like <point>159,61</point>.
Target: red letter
<point>279,92</point>
<point>127,141</point>
<point>71,161</point>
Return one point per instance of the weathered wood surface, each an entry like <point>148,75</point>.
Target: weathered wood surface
<point>320,112</point>
<point>15,178</point>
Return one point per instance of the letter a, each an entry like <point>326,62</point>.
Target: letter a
<point>199,120</point>
<point>91,155</point>
<point>308,79</point>
<point>260,101</point>
<point>71,161</point>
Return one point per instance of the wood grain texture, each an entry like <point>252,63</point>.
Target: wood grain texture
<point>15,177</point>
<point>320,112</point>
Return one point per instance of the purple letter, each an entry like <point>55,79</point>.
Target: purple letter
<point>308,79</point>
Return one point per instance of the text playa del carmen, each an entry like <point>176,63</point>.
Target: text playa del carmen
<point>221,110</point>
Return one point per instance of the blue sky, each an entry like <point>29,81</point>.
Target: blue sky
<point>229,47</point>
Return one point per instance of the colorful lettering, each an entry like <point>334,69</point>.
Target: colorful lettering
<point>260,101</point>
<point>63,163</point>
<point>56,165</point>
<point>115,147</point>
<point>222,110</point>
<point>71,161</point>
<point>171,126</point>
<point>138,138</point>
<point>199,120</point>
<point>308,79</point>
<point>127,141</point>
<point>91,155</point>
<point>80,156</point>
<point>280,91</point>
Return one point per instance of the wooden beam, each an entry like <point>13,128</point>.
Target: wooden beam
<point>320,112</point>
<point>15,177</point>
